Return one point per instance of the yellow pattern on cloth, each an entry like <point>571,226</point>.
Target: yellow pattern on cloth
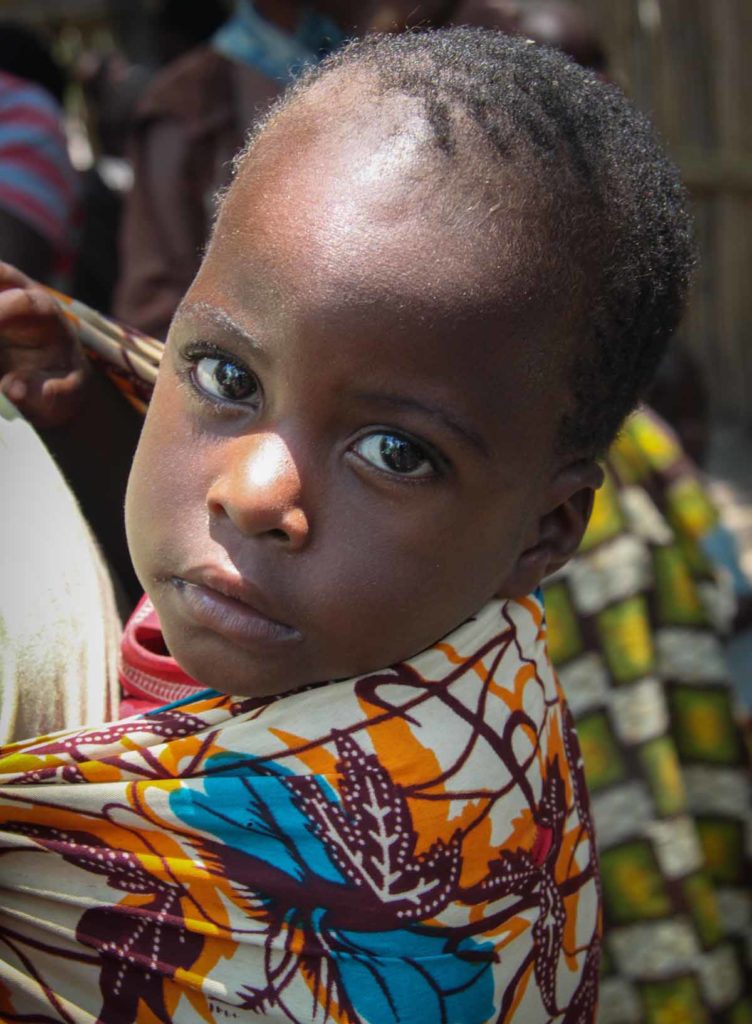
<point>412,845</point>
<point>634,623</point>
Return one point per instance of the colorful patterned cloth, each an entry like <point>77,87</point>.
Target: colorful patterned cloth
<point>410,846</point>
<point>37,181</point>
<point>634,626</point>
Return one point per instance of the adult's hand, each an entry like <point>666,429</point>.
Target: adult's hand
<point>43,369</point>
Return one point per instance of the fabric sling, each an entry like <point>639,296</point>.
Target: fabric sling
<point>412,845</point>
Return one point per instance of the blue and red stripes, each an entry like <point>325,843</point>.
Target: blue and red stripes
<point>37,181</point>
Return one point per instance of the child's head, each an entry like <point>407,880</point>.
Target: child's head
<point>444,272</point>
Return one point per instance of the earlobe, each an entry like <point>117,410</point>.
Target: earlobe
<point>556,535</point>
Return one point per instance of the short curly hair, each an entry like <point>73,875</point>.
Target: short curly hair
<point>617,208</point>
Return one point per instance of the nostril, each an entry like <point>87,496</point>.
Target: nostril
<point>279,534</point>
<point>216,508</point>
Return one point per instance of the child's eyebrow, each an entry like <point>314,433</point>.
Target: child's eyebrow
<point>460,429</point>
<point>468,435</point>
<point>203,310</point>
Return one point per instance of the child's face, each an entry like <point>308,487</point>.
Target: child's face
<point>347,453</point>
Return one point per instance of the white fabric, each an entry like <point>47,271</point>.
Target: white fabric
<point>59,628</point>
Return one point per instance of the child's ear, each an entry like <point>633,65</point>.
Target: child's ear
<point>555,536</point>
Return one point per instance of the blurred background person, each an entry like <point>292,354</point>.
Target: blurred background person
<point>110,88</point>
<point>189,126</point>
<point>637,629</point>
<point>38,190</point>
<point>180,25</point>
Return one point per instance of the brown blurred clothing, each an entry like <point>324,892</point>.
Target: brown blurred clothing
<point>189,125</point>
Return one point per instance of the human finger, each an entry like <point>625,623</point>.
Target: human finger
<point>14,387</point>
<point>23,311</point>
<point>45,399</point>
<point>12,277</point>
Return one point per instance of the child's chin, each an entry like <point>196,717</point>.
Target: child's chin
<point>234,671</point>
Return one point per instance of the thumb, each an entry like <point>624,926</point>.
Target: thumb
<point>45,399</point>
<point>14,387</point>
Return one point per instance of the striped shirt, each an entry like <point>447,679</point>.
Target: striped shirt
<point>37,181</point>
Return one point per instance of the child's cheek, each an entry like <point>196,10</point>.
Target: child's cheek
<point>163,467</point>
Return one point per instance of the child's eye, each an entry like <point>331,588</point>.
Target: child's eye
<point>393,453</point>
<point>225,379</point>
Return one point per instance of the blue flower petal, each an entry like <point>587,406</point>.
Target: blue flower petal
<point>256,814</point>
<point>417,981</point>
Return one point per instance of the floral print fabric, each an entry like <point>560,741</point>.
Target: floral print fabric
<point>409,846</point>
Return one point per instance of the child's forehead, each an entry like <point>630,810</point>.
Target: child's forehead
<point>368,153</point>
<point>377,191</point>
<point>377,231</point>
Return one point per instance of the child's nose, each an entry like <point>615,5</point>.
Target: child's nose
<point>259,490</point>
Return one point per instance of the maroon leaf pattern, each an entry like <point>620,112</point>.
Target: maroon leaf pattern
<point>139,946</point>
<point>371,839</point>
<point>169,725</point>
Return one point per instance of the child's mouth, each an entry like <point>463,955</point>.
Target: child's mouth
<point>222,606</point>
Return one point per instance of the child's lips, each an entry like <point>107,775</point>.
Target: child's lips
<point>230,606</point>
